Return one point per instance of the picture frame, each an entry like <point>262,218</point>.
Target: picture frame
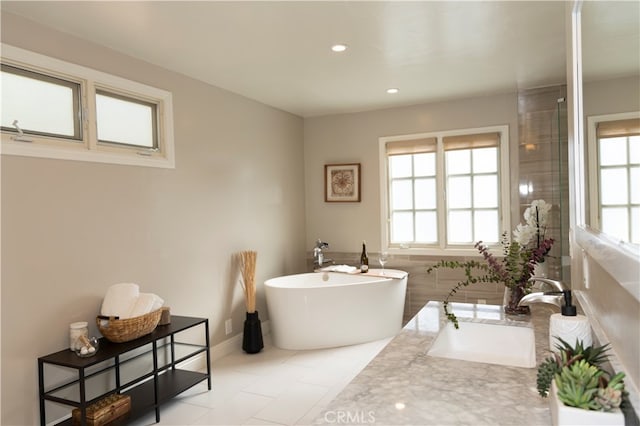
<point>342,183</point>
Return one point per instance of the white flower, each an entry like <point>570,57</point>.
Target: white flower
<point>523,234</point>
<point>536,215</point>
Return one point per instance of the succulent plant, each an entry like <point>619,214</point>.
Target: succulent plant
<point>567,356</point>
<point>578,385</point>
<point>546,372</point>
<point>610,397</point>
<point>580,381</point>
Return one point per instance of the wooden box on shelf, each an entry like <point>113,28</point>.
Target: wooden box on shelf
<point>103,412</point>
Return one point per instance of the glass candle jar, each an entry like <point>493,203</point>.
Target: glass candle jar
<point>76,330</point>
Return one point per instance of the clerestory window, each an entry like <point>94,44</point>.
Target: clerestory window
<point>55,109</point>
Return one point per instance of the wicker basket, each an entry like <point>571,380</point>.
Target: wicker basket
<point>125,330</point>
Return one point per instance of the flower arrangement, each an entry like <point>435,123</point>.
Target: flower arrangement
<point>529,247</point>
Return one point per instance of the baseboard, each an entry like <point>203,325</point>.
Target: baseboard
<point>222,349</point>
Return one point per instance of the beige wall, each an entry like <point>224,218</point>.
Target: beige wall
<point>611,96</point>
<point>70,229</point>
<point>353,138</point>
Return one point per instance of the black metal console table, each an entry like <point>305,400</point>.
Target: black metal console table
<point>148,390</point>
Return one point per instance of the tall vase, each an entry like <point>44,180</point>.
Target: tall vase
<point>252,338</point>
<point>512,297</point>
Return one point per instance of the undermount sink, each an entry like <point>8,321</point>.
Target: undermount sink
<point>489,343</point>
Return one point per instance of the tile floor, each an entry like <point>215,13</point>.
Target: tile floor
<point>273,387</point>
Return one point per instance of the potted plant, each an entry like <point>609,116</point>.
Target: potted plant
<point>528,248</point>
<point>580,391</point>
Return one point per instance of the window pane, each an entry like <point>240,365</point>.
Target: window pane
<point>635,184</point>
<point>634,149</point>
<point>459,192</point>
<point>401,195</point>
<point>459,227</point>
<point>402,229</point>
<point>485,191</point>
<point>635,225</point>
<point>400,166</point>
<point>486,226</point>
<point>615,222</point>
<point>613,151</point>
<point>41,104</point>
<point>424,164</point>
<point>125,121</point>
<point>613,186</point>
<point>426,227</point>
<point>458,162</point>
<point>425,190</point>
<point>485,160</point>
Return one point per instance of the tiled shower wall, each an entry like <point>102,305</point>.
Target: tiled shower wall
<point>542,131</point>
<point>543,150</point>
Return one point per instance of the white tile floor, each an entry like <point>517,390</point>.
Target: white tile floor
<point>273,387</point>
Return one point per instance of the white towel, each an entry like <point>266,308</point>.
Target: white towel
<point>341,268</point>
<point>120,299</point>
<point>146,303</point>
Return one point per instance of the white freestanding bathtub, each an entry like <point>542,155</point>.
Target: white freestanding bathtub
<point>327,309</point>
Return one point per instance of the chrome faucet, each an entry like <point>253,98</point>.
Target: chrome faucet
<point>554,297</point>
<point>318,255</point>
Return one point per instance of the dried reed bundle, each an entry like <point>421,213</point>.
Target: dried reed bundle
<point>248,268</point>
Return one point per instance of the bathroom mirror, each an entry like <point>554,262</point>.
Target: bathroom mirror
<point>611,94</point>
<point>606,71</point>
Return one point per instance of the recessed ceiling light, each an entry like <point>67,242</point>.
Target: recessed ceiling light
<point>339,47</point>
<point>393,90</point>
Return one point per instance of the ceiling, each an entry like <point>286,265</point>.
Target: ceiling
<point>279,53</point>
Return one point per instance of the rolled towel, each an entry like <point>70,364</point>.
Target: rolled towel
<point>340,268</point>
<point>146,303</point>
<point>346,269</point>
<point>120,299</point>
<point>158,303</point>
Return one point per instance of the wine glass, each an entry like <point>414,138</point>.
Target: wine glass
<point>382,259</point>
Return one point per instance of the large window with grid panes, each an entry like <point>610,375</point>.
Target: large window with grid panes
<point>614,168</point>
<point>445,191</point>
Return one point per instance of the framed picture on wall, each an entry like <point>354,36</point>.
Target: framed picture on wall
<point>342,183</point>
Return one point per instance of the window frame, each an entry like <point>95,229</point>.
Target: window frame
<point>442,249</point>
<point>52,78</point>
<point>593,173</point>
<point>88,148</point>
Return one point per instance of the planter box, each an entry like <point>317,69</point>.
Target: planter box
<point>562,415</point>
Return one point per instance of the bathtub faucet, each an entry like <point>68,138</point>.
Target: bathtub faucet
<point>318,255</point>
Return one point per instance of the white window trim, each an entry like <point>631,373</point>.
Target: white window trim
<point>88,149</point>
<point>505,186</point>
<point>592,158</point>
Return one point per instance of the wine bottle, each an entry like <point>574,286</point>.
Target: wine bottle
<point>364,259</point>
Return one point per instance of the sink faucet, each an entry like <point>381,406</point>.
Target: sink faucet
<point>555,297</point>
<point>318,255</point>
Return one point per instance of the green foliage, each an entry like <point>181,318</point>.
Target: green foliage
<point>566,356</point>
<point>546,372</point>
<point>580,380</point>
<point>610,397</point>
<point>578,385</point>
<point>469,267</point>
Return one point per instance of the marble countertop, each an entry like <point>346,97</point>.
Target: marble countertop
<point>402,385</point>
